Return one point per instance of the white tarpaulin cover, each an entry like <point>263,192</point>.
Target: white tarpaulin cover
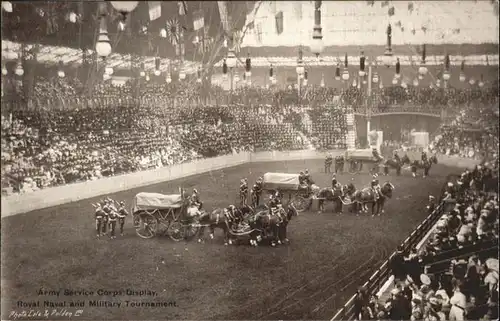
<point>157,201</point>
<point>361,154</point>
<point>281,181</point>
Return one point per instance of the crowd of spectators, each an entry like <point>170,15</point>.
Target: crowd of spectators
<point>66,134</point>
<point>455,275</point>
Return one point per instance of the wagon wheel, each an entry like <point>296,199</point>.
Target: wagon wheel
<point>136,220</point>
<point>175,231</point>
<point>190,231</point>
<point>147,227</point>
<point>301,203</point>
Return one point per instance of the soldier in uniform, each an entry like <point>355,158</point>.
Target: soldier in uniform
<point>376,188</point>
<point>105,221</point>
<point>307,178</point>
<point>231,214</point>
<point>302,178</point>
<point>335,183</point>
<point>122,214</point>
<point>423,157</point>
<point>432,204</point>
<point>339,164</point>
<point>195,199</point>
<point>113,217</point>
<point>99,218</point>
<point>274,201</point>
<point>328,163</point>
<point>243,191</point>
<point>396,157</point>
<point>257,191</point>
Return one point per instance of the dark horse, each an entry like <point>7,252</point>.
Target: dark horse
<point>332,195</point>
<point>392,163</point>
<point>416,164</point>
<point>273,227</point>
<point>217,219</point>
<point>367,195</point>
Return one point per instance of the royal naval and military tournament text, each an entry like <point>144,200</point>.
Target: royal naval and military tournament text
<point>78,303</point>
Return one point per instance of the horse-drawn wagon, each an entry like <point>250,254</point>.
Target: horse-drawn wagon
<point>153,210</point>
<point>288,184</point>
<point>357,157</point>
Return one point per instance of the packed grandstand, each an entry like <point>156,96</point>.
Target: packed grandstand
<point>63,122</point>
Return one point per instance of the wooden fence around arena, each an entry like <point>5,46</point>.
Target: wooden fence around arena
<point>383,273</point>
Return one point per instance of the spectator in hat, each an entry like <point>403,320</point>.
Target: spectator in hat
<point>397,265</point>
<point>458,304</point>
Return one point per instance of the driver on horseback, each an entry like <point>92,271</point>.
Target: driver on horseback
<point>376,155</point>
<point>274,201</point>
<point>196,204</point>
<point>335,183</point>
<point>376,188</point>
<point>231,212</point>
<point>195,199</point>
<point>424,157</point>
<point>396,157</point>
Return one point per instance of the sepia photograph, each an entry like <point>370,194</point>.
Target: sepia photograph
<point>250,160</point>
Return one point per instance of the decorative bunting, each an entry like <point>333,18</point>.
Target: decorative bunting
<point>258,33</point>
<point>237,38</point>
<point>198,20</point>
<point>279,22</point>
<point>223,13</point>
<point>182,8</point>
<point>154,10</point>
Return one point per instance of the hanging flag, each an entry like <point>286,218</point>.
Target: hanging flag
<point>391,11</point>
<point>154,10</point>
<point>237,38</point>
<point>297,8</point>
<point>224,18</point>
<point>258,32</point>
<point>198,20</point>
<point>182,7</point>
<point>279,23</point>
<point>206,43</point>
<point>410,7</point>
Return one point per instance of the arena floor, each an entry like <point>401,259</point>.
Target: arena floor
<point>328,258</point>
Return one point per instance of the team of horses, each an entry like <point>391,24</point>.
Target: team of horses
<point>260,225</point>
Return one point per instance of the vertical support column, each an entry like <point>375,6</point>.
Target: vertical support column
<point>351,129</point>
<point>368,100</point>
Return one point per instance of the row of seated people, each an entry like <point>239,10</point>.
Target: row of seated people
<point>54,91</point>
<point>455,275</point>
<point>42,148</point>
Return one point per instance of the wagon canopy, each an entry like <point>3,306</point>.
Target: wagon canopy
<point>360,154</point>
<point>150,201</point>
<point>281,181</point>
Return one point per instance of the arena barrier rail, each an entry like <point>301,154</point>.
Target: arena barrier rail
<point>380,277</point>
<point>53,196</point>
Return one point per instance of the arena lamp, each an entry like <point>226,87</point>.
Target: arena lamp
<point>224,76</point>
<point>124,7</point>
<point>415,82</point>
<point>61,74</point>
<point>296,86</point>
<point>438,83</point>
<point>109,70</point>
<point>19,70</point>
<point>168,79</point>
<point>461,77</point>
<point>354,83</point>
<point>273,81</point>
<point>106,77</point>
<point>236,78</point>
<point>304,82</point>
<point>7,6</point>
<point>142,73</point>
<point>248,74</point>
<point>345,75</point>
<point>337,77</point>
<point>397,76</point>
<point>322,83</point>
<point>157,72</point>
<point>267,86</point>
<point>422,70</point>
<point>364,81</point>
<point>375,78</point>
<point>198,80</point>
<point>420,77</point>
<point>404,85</point>
<point>380,85</point>
<point>300,70</point>
<point>4,71</point>
<point>103,45</point>
<point>480,84</point>
<point>147,78</point>
<point>72,17</point>
<point>446,75</point>
<point>361,73</point>
<point>249,82</point>
<point>387,60</point>
<point>163,33</point>
<point>317,45</point>
<point>231,59</point>
<point>121,25</point>
<point>182,75</point>
<point>472,81</point>
<point>394,81</point>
